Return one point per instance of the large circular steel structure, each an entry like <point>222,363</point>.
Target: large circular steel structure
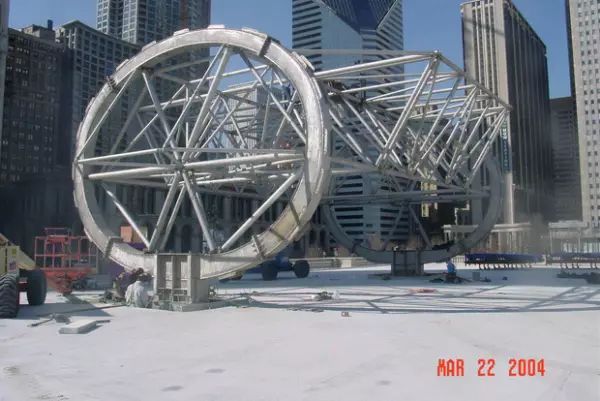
<point>186,135</point>
<point>215,116</point>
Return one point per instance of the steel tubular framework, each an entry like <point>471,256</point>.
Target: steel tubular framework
<point>413,123</point>
<point>234,115</point>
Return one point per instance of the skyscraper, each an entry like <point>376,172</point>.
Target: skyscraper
<point>354,25</point>
<point>4,8</point>
<point>583,22</point>
<point>346,24</point>
<point>503,52</point>
<point>35,180</point>
<point>565,152</point>
<point>95,57</point>
<point>142,21</point>
<point>36,99</point>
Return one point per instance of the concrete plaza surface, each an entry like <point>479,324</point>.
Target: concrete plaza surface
<point>375,340</point>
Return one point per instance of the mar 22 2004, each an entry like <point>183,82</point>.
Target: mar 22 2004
<point>517,367</point>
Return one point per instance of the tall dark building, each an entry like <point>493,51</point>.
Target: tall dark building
<point>35,183</point>
<point>142,21</point>
<point>504,53</point>
<point>4,10</point>
<point>565,151</point>
<point>49,83</point>
<point>35,136</point>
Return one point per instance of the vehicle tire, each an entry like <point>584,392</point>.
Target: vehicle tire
<point>9,296</point>
<point>301,268</point>
<point>270,270</point>
<point>37,286</point>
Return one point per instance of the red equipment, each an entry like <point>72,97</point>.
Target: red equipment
<point>66,259</point>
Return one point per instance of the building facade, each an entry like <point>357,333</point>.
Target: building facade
<point>37,202</point>
<point>504,53</point>
<point>4,12</point>
<point>355,25</point>
<point>95,57</point>
<point>346,24</point>
<point>583,22</point>
<point>143,21</point>
<point>109,17</point>
<point>35,181</point>
<point>565,152</point>
<point>36,100</point>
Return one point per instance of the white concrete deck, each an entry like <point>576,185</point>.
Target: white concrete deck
<point>282,345</point>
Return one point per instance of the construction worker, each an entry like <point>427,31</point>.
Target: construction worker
<point>450,271</point>
<point>137,293</point>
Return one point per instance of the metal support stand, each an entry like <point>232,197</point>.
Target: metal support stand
<point>177,282</point>
<point>407,263</point>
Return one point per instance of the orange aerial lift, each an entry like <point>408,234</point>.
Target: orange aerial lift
<point>66,259</point>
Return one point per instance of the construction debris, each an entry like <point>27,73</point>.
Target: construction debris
<point>422,290</point>
<point>79,327</point>
<point>322,296</point>
<point>59,318</point>
<point>326,296</point>
<point>448,278</point>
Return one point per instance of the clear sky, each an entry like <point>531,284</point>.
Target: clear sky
<point>429,24</point>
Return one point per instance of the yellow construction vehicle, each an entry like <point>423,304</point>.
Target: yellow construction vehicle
<point>18,273</point>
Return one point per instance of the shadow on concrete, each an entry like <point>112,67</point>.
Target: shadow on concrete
<point>426,304</point>
<point>55,304</point>
<point>361,293</point>
<point>358,277</point>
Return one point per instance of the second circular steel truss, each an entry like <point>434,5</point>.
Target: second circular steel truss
<point>408,129</point>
